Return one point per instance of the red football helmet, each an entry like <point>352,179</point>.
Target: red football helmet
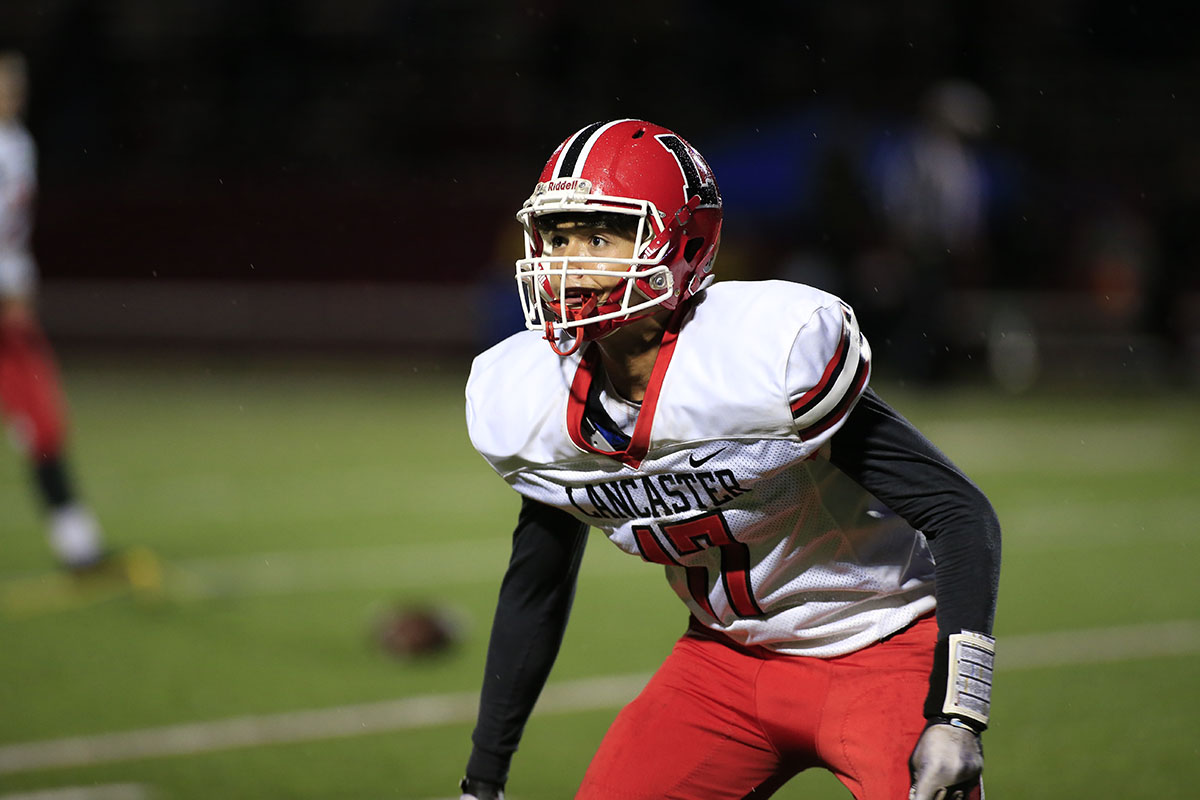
<point>634,168</point>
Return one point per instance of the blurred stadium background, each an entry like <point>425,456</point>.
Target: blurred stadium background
<point>272,233</point>
<point>215,172</point>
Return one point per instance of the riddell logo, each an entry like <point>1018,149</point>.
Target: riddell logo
<point>566,185</point>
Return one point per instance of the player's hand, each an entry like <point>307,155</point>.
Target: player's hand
<point>946,762</point>
<point>480,790</point>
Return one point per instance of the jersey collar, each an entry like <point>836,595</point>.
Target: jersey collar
<point>588,371</point>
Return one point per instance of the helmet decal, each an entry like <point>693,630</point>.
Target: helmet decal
<point>692,183</point>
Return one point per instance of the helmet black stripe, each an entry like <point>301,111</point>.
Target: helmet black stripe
<point>566,164</point>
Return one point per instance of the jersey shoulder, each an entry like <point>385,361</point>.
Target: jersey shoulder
<point>806,337</point>
<point>730,371</point>
<point>766,303</point>
<point>512,389</point>
<point>775,318</point>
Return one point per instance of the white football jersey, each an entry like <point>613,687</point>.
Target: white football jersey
<point>723,478</point>
<point>18,183</point>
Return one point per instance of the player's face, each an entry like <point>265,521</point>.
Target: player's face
<point>595,243</point>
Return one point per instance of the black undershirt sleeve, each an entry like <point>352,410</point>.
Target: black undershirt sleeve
<point>527,630</point>
<point>886,455</point>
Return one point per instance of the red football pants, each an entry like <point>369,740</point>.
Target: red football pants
<point>719,720</point>
<point>30,391</point>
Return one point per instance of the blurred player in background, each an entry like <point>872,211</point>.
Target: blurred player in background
<point>30,392</point>
<point>935,199</point>
<point>840,572</point>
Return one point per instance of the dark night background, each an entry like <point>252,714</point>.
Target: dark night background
<point>387,144</point>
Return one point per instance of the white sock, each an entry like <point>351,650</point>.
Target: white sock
<point>75,535</point>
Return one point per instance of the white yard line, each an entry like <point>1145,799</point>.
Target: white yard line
<point>1016,652</point>
<point>108,791</point>
<point>1099,645</point>
<point>378,568</point>
<point>298,726</point>
<point>1077,448</point>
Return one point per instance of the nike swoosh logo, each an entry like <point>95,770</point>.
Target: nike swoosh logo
<point>696,462</point>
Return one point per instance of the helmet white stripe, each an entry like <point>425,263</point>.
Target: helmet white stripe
<point>575,154</point>
<point>569,151</point>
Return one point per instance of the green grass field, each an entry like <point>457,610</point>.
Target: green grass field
<point>293,500</point>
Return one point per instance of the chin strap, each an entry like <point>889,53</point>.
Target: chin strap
<point>573,315</point>
<point>553,340</point>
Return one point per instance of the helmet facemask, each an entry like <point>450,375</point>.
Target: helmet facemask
<point>646,283</point>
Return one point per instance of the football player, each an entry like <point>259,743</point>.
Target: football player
<point>840,573</point>
<point>30,392</point>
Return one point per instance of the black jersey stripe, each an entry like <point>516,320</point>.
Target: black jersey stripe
<point>829,379</point>
<point>567,163</point>
<point>843,407</point>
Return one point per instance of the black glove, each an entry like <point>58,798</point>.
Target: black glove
<point>480,790</point>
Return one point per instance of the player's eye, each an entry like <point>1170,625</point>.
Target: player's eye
<point>598,240</point>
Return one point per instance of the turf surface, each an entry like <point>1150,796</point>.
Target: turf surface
<point>292,501</point>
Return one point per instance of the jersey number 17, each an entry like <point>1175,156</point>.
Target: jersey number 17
<point>692,536</point>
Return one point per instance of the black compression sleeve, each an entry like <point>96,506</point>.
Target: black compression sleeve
<point>891,459</point>
<point>527,630</point>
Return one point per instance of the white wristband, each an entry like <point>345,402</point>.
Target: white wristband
<point>969,676</point>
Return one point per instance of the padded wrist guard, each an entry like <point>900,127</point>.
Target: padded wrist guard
<point>960,685</point>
